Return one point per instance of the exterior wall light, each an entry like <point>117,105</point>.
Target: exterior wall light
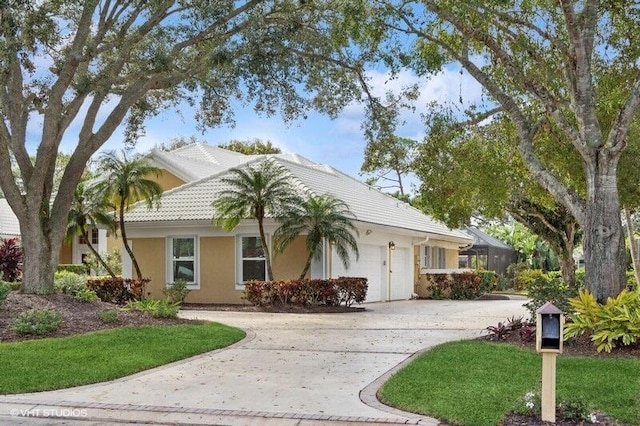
<point>392,245</point>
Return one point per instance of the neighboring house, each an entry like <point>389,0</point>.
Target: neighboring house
<point>71,252</point>
<point>9,225</point>
<point>487,253</point>
<point>398,244</point>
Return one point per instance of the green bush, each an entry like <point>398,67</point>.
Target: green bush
<point>548,288</point>
<point>457,286</point>
<point>177,291</point>
<point>5,289</point>
<point>512,273</point>
<point>70,283</point>
<point>631,281</point>
<point>580,283</point>
<point>109,316</point>
<point>617,322</point>
<point>503,283</point>
<point>86,295</point>
<point>113,259</point>
<point>525,277</point>
<point>117,290</point>
<point>488,281</point>
<point>336,291</point>
<point>155,307</point>
<point>76,268</point>
<point>36,321</point>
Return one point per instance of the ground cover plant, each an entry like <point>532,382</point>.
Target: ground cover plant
<point>105,355</point>
<point>481,383</point>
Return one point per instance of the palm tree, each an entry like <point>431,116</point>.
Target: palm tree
<point>255,192</point>
<point>88,210</point>
<point>126,181</point>
<point>321,218</point>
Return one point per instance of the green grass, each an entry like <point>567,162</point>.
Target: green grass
<point>478,383</point>
<point>48,364</point>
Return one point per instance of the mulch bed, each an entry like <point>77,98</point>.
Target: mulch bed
<point>78,317</point>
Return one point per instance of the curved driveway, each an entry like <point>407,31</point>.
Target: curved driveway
<point>297,369</point>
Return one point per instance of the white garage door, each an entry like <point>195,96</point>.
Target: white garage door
<point>372,265</point>
<point>401,283</point>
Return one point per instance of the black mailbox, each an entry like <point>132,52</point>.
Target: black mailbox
<point>549,328</point>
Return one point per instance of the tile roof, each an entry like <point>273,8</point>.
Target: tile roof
<point>9,225</point>
<point>192,201</point>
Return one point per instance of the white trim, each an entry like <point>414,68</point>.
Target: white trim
<point>168,279</point>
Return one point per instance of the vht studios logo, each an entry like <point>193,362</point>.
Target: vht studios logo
<point>49,412</point>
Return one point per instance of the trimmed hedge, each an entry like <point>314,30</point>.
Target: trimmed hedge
<point>117,290</point>
<point>338,291</point>
<point>76,268</point>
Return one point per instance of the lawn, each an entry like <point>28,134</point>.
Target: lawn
<point>478,383</point>
<point>57,363</point>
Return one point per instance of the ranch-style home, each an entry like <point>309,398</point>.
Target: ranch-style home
<point>398,244</point>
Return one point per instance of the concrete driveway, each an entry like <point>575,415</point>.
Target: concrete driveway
<point>292,369</point>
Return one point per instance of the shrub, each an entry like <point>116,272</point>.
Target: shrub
<point>155,307</point>
<point>76,268</point>
<point>545,288</point>
<point>525,277</point>
<point>631,281</point>
<point>5,289</point>
<point>11,258</point>
<point>457,286</point>
<point>113,259</point>
<point>70,283</point>
<point>512,273</point>
<point>488,281</point>
<point>109,316</point>
<point>617,322</point>
<point>86,295</point>
<point>177,291</point>
<point>465,286</point>
<point>580,277</point>
<point>343,290</point>
<point>117,290</point>
<point>36,321</point>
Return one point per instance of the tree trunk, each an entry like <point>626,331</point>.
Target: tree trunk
<point>265,248</point>
<point>41,257</point>
<point>125,242</point>
<point>568,269</point>
<point>307,266</point>
<point>604,249</point>
<point>632,247</point>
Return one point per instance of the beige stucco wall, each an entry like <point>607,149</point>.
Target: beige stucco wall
<point>289,264</point>
<point>167,180</point>
<point>452,259</point>
<point>150,255</point>
<point>217,263</point>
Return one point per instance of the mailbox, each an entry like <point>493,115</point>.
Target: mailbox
<point>549,328</point>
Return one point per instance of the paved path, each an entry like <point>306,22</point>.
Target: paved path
<point>292,369</point>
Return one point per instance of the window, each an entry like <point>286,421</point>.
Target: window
<point>253,263</point>
<point>182,264</point>
<point>93,234</point>
<point>434,257</point>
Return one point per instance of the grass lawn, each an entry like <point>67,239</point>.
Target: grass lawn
<point>47,364</point>
<point>478,383</point>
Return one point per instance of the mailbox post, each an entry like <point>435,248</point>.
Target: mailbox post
<point>549,326</point>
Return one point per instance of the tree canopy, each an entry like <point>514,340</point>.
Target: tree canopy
<point>565,69</point>
<point>75,71</point>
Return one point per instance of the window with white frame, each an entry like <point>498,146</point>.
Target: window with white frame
<point>434,257</point>
<point>182,264</point>
<point>251,258</point>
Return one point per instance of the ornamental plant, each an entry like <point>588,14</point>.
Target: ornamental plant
<point>11,258</point>
<point>36,321</point>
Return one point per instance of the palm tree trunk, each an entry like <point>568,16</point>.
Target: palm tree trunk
<point>265,248</point>
<point>123,233</point>
<point>307,266</point>
<point>85,235</point>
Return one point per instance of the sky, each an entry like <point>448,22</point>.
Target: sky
<point>339,143</point>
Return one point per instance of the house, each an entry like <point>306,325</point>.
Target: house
<point>397,243</point>
<point>487,253</point>
<point>73,251</point>
<point>9,225</point>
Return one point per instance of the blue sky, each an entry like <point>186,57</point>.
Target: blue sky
<point>338,143</point>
